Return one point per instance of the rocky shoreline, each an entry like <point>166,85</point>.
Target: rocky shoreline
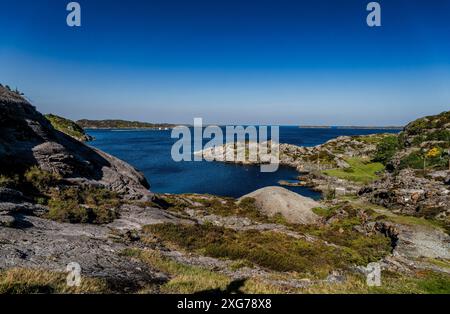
<point>330,168</point>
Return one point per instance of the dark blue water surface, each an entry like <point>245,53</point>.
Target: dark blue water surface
<point>149,151</point>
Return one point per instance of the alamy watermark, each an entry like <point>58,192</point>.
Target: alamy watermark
<point>373,274</point>
<point>73,278</point>
<point>239,144</point>
<point>74,16</point>
<point>374,17</point>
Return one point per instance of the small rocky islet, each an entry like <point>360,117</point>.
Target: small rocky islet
<point>386,199</point>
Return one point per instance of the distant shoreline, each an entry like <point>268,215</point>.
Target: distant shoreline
<point>130,128</point>
<point>111,124</point>
<point>351,127</point>
<point>162,128</point>
<point>122,124</point>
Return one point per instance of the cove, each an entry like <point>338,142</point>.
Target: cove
<point>149,151</point>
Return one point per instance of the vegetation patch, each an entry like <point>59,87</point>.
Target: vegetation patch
<point>9,181</point>
<point>422,282</point>
<point>222,206</point>
<point>425,282</point>
<point>322,157</point>
<point>373,139</point>
<point>411,220</point>
<point>321,211</point>
<point>419,126</point>
<point>271,250</point>
<point>73,204</point>
<point>183,278</point>
<point>386,149</point>
<point>195,279</point>
<point>442,263</point>
<point>435,158</point>
<point>41,180</point>
<point>32,281</point>
<point>68,127</point>
<point>364,248</point>
<point>89,205</point>
<point>190,279</point>
<point>360,171</point>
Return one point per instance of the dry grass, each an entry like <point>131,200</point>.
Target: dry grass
<point>194,279</point>
<point>269,250</point>
<point>183,278</point>
<point>33,281</point>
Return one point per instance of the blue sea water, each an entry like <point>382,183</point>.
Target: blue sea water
<point>149,151</point>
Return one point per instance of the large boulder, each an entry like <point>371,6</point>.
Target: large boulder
<point>293,207</point>
<point>27,138</point>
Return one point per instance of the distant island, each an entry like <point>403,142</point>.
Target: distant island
<point>122,124</point>
<point>351,127</point>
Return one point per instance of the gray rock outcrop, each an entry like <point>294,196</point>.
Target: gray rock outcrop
<point>27,138</point>
<point>293,207</point>
<point>411,194</point>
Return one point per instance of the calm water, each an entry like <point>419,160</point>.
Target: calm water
<point>149,151</point>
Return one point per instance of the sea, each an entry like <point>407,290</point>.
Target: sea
<point>150,152</point>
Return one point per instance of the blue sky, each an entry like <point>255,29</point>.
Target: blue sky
<point>230,61</point>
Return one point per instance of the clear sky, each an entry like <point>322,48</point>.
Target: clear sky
<point>230,61</point>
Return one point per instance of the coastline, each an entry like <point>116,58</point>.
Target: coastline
<point>346,127</point>
<point>128,129</point>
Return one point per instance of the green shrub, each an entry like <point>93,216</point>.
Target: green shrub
<point>67,210</point>
<point>386,149</point>
<point>9,182</point>
<point>439,135</point>
<point>418,126</point>
<point>417,160</point>
<point>414,160</point>
<point>76,205</point>
<point>321,211</point>
<point>40,179</point>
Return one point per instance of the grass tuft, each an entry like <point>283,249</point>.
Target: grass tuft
<point>33,281</point>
